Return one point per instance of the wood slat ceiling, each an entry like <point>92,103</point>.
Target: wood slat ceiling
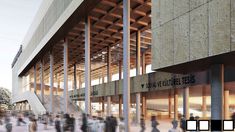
<point>106,30</point>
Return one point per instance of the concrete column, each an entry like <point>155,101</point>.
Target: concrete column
<point>109,79</point>
<point>169,105</point>
<point>35,78</point>
<point>138,44</point>
<point>103,105</point>
<point>126,63</point>
<point>217,89</point>
<point>144,108</point>
<point>108,106</point>
<point>186,102</point>
<point>120,70</point>
<point>176,104</point>
<point>120,105</point>
<point>87,66</point>
<point>226,105</point>
<point>75,81</point>
<point>51,83</point>
<point>58,83</point>
<point>42,80</point>
<point>143,63</point>
<point>65,75</point>
<point>204,113</point>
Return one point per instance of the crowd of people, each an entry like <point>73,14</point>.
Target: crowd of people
<point>86,123</point>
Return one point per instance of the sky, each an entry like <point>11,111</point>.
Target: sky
<point>16,17</point>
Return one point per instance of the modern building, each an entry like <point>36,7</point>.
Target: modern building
<point>92,55</point>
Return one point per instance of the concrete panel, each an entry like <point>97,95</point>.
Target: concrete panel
<point>166,44</point>
<point>181,39</point>
<point>232,25</point>
<point>219,27</point>
<point>50,17</point>
<point>59,8</point>
<point>196,3</point>
<point>166,11</point>
<point>156,59</point>
<point>180,7</point>
<point>155,14</point>
<point>199,33</point>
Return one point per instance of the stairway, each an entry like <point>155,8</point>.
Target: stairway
<point>58,105</point>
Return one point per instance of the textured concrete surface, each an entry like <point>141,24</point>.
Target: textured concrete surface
<point>196,3</point>
<point>233,25</point>
<point>180,7</point>
<point>219,26</point>
<point>199,33</point>
<point>181,39</point>
<point>202,28</point>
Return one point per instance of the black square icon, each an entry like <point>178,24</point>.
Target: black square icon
<point>216,125</point>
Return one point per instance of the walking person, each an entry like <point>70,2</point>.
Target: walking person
<point>191,117</point>
<point>57,124</point>
<point>32,125</point>
<point>175,127</point>
<point>72,119</point>
<point>45,120</point>
<point>154,123</point>
<point>113,122</point>
<point>66,127</point>
<point>142,124</point>
<point>8,125</point>
<point>183,124</point>
<point>84,123</point>
<point>20,119</point>
<point>121,125</point>
<point>108,127</point>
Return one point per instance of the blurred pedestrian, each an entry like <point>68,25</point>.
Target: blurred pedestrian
<point>20,119</point>
<point>183,123</point>
<point>45,120</point>
<point>154,123</point>
<point>67,121</point>
<point>72,123</point>
<point>191,117</point>
<point>113,123</point>
<point>108,127</point>
<point>121,125</point>
<point>84,123</point>
<point>175,127</point>
<point>57,124</point>
<point>142,124</point>
<point>32,124</point>
<point>8,125</point>
<point>51,120</point>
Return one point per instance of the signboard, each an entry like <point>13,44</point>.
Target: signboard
<point>147,82</point>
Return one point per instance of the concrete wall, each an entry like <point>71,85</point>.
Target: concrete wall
<point>49,18</point>
<point>187,30</point>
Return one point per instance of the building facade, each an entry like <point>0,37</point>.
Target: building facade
<point>95,56</point>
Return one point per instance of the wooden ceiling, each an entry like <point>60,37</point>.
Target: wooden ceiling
<point>106,30</point>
